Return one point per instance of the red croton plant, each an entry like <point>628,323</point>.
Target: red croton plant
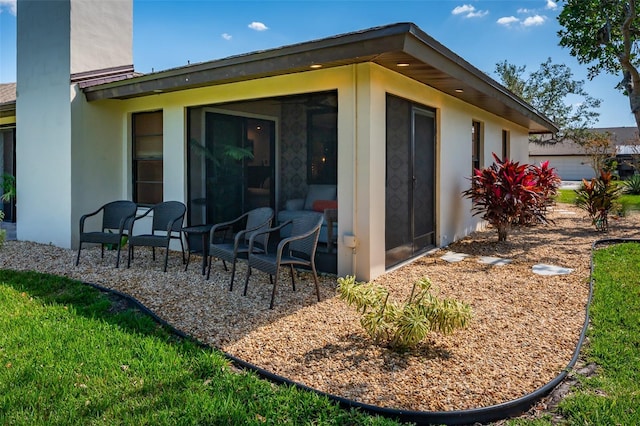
<point>509,194</point>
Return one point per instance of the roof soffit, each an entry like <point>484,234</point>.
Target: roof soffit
<point>430,63</point>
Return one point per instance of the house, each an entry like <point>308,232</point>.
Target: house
<point>8,141</point>
<point>392,118</point>
<point>570,159</point>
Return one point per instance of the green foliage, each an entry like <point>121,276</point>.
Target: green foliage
<point>71,355</point>
<point>552,91</point>
<point>509,194</point>
<point>605,34</point>
<point>612,396</point>
<point>598,198</point>
<point>632,185</point>
<point>402,326</point>
<point>8,187</point>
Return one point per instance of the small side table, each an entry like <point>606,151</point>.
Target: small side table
<point>331,216</point>
<point>197,237</point>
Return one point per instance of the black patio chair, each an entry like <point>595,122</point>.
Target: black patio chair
<point>167,220</point>
<point>222,248</point>
<point>115,217</point>
<point>299,249</point>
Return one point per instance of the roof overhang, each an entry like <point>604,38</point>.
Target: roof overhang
<point>8,109</point>
<point>423,59</point>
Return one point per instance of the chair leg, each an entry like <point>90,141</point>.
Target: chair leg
<point>129,256</point>
<point>233,274</point>
<point>225,266</point>
<point>166,257</point>
<point>153,254</point>
<point>79,248</point>
<point>275,286</point>
<point>118,256</point>
<point>246,281</point>
<point>209,266</point>
<point>102,251</point>
<point>182,248</point>
<point>186,265</point>
<point>315,279</point>
<point>293,280</point>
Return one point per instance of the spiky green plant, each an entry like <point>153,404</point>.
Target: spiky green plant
<point>632,185</point>
<point>402,326</point>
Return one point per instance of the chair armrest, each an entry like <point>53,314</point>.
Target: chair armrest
<point>294,204</point>
<point>224,226</point>
<point>283,243</point>
<point>85,216</point>
<point>133,220</point>
<point>266,231</point>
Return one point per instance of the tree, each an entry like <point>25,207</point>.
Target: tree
<point>598,147</point>
<point>605,34</point>
<point>549,90</point>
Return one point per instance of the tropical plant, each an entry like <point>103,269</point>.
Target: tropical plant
<point>509,194</point>
<point>402,326</point>
<point>632,185</point>
<point>598,197</point>
<point>8,187</point>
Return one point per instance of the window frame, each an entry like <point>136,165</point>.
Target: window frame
<point>139,160</point>
<point>476,145</point>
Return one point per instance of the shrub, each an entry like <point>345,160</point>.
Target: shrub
<point>397,326</point>
<point>510,194</point>
<point>598,197</point>
<point>632,185</point>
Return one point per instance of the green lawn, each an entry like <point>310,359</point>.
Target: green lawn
<point>612,395</point>
<point>630,202</point>
<point>69,356</point>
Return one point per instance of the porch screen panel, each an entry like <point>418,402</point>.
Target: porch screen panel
<point>398,238</point>
<point>424,172</point>
<point>225,174</point>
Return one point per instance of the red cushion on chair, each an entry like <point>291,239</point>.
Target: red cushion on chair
<point>321,205</point>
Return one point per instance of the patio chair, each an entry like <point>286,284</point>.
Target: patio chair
<point>298,249</point>
<point>115,217</point>
<point>255,220</point>
<point>167,219</point>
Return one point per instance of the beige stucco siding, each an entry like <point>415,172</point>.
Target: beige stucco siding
<point>362,89</point>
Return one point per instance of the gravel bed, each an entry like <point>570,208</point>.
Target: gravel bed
<point>523,333</point>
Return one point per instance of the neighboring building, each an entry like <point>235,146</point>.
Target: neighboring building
<point>392,117</point>
<point>571,161</point>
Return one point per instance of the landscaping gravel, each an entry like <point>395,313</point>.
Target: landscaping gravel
<point>524,330</point>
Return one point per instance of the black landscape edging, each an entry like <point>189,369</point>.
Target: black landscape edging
<point>457,417</point>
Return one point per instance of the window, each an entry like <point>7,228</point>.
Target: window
<point>147,157</point>
<point>322,146</point>
<point>506,145</point>
<point>476,145</point>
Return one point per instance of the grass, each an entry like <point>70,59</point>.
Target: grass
<point>71,355</point>
<point>628,201</point>
<point>612,395</point>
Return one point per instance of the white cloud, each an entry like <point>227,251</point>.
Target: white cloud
<point>258,26</point>
<point>8,5</point>
<point>226,36</point>
<point>532,21</point>
<point>507,20</point>
<point>469,11</point>
<point>524,10</point>
<point>552,5</point>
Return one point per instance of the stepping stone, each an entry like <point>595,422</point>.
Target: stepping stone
<point>567,212</point>
<point>452,256</point>
<point>542,269</point>
<point>494,261</point>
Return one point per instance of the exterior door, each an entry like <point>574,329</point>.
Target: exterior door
<point>410,180</point>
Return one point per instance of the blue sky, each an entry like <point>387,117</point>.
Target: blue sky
<point>168,34</point>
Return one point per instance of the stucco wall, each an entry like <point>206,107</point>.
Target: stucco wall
<point>362,92</point>
<point>101,34</point>
<point>43,141</point>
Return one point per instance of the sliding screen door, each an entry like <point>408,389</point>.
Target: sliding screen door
<point>410,180</point>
